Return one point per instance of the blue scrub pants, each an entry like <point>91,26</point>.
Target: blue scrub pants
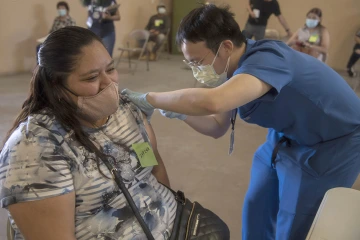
<point>281,202</point>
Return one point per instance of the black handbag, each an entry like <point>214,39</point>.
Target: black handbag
<point>192,221</point>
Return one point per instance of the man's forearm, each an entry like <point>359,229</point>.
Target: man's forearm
<point>192,102</point>
<point>209,125</point>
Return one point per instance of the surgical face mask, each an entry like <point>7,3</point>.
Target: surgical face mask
<point>62,12</point>
<point>207,75</point>
<point>312,23</point>
<point>162,10</point>
<point>99,106</point>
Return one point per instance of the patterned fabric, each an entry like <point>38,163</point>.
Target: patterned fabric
<point>95,22</point>
<point>59,23</point>
<point>304,35</point>
<point>41,160</point>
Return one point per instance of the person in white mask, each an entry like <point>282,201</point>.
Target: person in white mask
<point>62,20</point>
<point>158,26</point>
<point>313,38</point>
<point>311,113</point>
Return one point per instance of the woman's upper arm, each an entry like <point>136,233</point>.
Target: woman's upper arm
<point>293,38</point>
<point>36,178</point>
<point>325,39</point>
<point>51,218</point>
<point>150,132</point>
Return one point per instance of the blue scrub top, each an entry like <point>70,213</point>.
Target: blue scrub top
<point>309,102</point>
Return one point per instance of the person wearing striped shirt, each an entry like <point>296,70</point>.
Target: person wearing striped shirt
<point>53,180</point>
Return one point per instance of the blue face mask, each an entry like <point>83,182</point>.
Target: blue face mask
<point>62,12</point>
<point>311,23</point>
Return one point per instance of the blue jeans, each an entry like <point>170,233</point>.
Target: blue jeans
<point>281,202</point>
<point>109,42</point>
<point>107,37</point>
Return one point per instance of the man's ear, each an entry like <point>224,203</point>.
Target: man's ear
<point>228,46</point>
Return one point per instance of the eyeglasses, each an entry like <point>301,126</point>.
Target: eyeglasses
<point>195,64</point>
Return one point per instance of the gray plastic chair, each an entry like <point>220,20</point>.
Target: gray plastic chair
<point>136,38</point>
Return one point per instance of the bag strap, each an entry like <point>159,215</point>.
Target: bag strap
<point>118,179</point>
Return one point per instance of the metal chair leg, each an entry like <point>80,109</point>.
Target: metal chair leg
<point>118,62</point>
<point>129,58</point>
<point>147,61</point>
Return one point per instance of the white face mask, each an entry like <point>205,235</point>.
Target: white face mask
<point>312,23</point>
<point>207,75</point>
<point>162,10</point>
<point>62,12</point>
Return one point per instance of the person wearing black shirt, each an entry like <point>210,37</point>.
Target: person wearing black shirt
<point>354,56</point>
<point>158,26</point>
<point>259,13</point>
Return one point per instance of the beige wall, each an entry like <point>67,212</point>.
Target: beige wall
<point>341,17</point>
<point>22,22</point>
<point>33,18</point>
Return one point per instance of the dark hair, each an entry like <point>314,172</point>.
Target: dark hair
<point>160,6</point>
<point>63,4</point>
<point>316,11</point>
<point>211,24</point>
<point>57,59</point>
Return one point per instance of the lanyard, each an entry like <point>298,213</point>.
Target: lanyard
<point>232,139</point>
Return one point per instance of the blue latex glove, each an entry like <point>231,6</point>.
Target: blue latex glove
<point>169,114</point>
<point>139,99</point>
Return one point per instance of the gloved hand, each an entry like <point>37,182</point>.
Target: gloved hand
<point>169,114</point>
<point>139,99</point>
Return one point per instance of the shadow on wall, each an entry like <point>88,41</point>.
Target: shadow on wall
<point>25,51</point>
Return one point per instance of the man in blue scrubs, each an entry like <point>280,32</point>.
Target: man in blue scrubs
<point>313,118</point>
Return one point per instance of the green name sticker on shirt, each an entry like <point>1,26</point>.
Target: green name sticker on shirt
<point>158,22</point>
<point>313,38</point>
<point>145,154</point>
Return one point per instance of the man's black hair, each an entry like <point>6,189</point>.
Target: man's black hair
<point>211,24</point>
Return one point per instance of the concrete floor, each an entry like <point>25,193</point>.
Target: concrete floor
<point>198,165</point>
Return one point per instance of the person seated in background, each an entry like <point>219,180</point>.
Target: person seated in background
<point>55,178</point>
<point>354,56</point>
<point>62,20</point>
<point>313,38</point>
<point>158,26</point>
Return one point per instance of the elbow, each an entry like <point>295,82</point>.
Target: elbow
<point>217,135</point>
<point>211,108</point>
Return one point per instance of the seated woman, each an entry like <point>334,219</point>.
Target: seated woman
<point>61,21</point>
<point>313,38</point>
<point>53,180</point>
<point>64,19</point>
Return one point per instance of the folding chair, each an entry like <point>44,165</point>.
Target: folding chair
<point>136,38</point>
<point>165,46</point>
<point>338,216</point>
